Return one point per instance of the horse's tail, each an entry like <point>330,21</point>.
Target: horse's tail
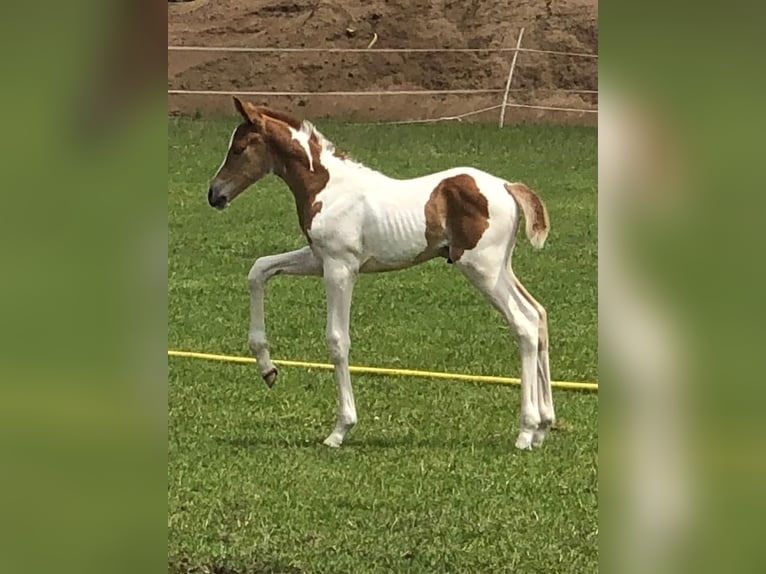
<point>535,214</point>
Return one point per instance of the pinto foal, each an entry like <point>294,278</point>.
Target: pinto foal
<point>357,220</point>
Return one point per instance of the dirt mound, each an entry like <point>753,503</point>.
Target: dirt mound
<point>567,25</point>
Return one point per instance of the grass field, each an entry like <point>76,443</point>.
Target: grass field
<point>429,480</point>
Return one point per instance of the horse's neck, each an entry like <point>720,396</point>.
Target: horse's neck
<point>327,169</point>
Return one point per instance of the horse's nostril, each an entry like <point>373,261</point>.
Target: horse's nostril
<point>216,200</point>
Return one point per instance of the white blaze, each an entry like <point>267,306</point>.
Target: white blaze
<point>231,141</point>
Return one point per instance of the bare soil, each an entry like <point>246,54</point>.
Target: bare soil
<point>565,25</point>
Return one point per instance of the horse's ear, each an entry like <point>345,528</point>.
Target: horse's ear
<point>249,112</point>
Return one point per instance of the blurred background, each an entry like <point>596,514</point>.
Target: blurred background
<point>555,78</point>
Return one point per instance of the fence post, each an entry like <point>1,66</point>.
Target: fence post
<point>510,77</point>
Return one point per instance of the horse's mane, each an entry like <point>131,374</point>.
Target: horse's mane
<point>304,126</point>
<point>282,117</point>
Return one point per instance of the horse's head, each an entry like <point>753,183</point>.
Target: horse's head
<point>247,160</point>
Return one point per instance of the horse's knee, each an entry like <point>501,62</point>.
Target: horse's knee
<point>338,345</point>
<point>259,273</point>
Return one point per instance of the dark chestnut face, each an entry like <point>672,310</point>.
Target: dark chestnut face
<point>247,160</point>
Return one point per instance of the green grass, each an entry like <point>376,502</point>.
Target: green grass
<point>429,480</point>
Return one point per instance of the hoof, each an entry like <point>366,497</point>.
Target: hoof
<point>538,437</point>
<point>543,428</point>
<point>271,377</point>
<point>333,441</point>
<point>524,442</point>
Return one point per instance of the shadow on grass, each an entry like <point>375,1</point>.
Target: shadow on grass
<point>314,442</point>
<point>184,565</point>
<point>255,442</point>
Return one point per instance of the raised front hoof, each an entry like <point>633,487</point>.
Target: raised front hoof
<point>271,377</point>
<point>333,441</point>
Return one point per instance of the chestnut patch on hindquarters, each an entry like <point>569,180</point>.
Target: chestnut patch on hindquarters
<point>456,212</point>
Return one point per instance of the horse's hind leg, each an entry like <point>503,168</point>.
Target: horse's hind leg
<point>544,393</point>
<point>299,262</point>
<point>486,269</point>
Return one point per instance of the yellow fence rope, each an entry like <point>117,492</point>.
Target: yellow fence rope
<point>385,371</point>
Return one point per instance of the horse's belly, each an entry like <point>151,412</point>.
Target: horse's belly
<point>394,240</point>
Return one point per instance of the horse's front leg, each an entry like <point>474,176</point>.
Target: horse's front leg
<point>299,262</point>
<point>339,278</point>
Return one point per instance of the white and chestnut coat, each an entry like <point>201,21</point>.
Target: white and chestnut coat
<point>357,220</point>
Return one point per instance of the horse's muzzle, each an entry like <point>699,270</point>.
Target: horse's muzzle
<point>215,200</point>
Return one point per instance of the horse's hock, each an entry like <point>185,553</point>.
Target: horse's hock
<point>566,26</point>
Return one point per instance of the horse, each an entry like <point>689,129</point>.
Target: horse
<point>358,220</point>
